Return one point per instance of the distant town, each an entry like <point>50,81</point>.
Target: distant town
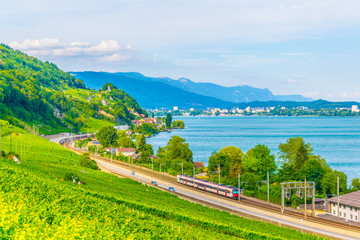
<point>260,111</point>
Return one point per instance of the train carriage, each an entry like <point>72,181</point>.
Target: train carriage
<point>219,189</point>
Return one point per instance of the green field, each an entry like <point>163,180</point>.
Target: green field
<point>38,202</point>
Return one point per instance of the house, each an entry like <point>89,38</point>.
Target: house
<point>150,120</point>
<point>110,150</point>
<point>199,165</point>
<point>125,151</point>
<point>348,208</point>
<point>144,120</point>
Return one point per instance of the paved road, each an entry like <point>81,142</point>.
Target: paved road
<point>188,192</point>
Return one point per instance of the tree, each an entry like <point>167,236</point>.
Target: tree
<point>107,136</point>
<point>217,160</point>
<point>168,120</point>
<point>259,160</point>
<point>125,142</point>
<point>313,171</point>
<point>141,144</point>
<point>178,124</point>
<point>86,161</point>
<point>230,161</point>
<point>329,182</point>
<point>355,183</point>
<point>105,87</point>
<point>236,156</point>
<point>251,180</point>
<point>176,149</point>
<point>295,152</point>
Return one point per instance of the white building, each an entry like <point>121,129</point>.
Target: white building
<point>175,108</point>
<point>125,151</point>
<point>248,109</point>
<point>191,109</point>
<point>354,108</point>
<point>349,207</point>
<point>121,127</point>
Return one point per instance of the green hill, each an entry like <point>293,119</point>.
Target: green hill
<point>39,201</point>
<point>33,92</point>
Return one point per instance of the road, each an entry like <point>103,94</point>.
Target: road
<point>196,194</point>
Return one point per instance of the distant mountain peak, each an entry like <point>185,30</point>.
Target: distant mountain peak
<point>236,94</point>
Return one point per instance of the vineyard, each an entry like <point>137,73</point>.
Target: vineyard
<point>39,201</point>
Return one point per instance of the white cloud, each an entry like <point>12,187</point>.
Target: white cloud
<point>29,44</point>
<point>105,51</point>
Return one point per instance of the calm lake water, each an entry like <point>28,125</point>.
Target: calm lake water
<point>337,139</point>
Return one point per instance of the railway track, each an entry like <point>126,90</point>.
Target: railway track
<point>255,203</point>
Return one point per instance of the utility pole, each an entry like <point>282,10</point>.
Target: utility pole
<point>338,202</point>
<point>239,185</point>
<point>160,171</point>
<point>152,165</point>
<point>305,197</point>
<point>268,188</point>
<point>194,176</point>
<point>182,168</point>
<point>219,173</point>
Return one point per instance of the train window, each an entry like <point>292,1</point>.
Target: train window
<point>236,192</point>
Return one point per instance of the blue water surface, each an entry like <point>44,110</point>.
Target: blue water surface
<point>337,139</point>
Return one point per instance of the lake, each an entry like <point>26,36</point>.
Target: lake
<point>337,139</point>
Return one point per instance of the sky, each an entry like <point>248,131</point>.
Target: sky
<point>307,47</point>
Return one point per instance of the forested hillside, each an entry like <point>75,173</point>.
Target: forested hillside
<point>38,93</point>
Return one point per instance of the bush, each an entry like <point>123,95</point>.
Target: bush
<point>73,178</point>
<point>86,161</point>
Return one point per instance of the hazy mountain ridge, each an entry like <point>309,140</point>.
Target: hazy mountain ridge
<point>234,94</point>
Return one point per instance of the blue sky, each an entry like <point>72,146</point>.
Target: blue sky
<point>308,47</point>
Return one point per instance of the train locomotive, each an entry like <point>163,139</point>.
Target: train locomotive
<point>219,189</point>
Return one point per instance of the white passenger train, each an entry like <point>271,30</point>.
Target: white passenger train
<point>219,189</point>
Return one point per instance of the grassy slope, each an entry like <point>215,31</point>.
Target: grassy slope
<point>37,203</point>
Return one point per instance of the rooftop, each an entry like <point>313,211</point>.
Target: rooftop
<point>350,199</point>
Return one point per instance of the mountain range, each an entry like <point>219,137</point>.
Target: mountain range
<point>153,92</point>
